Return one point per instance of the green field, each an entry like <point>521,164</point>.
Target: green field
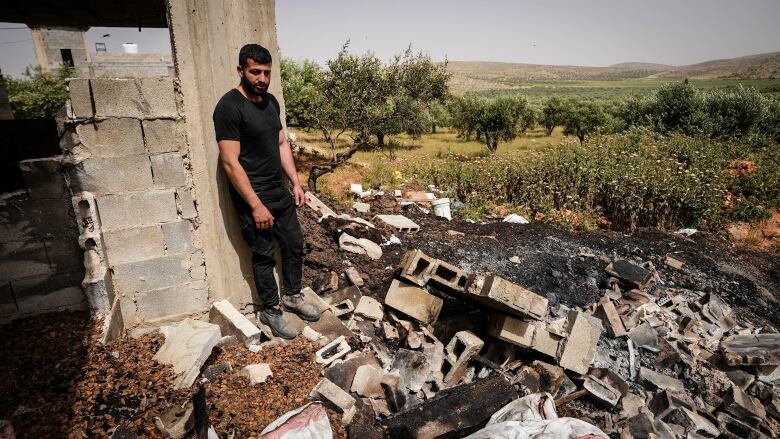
<point>537,90</point>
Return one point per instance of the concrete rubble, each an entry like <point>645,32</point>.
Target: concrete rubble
<point>444,349</point>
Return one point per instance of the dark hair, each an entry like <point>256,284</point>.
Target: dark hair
<point>260,54</point>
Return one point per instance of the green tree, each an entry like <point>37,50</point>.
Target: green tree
<point>439,116</point>
<point>583,118</point>
<point>359,96</point>
<point>678,107</point>
<point>552,114</point>
<point>463,110</point>
<point>39,94</point>
<point>299,84</point>
<point>734,113</point>
<point>502,119</point>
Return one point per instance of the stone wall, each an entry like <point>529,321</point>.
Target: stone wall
<point>41,265</point>
<point>129,165</point>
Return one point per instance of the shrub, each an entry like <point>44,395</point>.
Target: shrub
<point>39,94</point>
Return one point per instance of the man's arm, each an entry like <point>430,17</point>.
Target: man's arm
<point>228,156</point>
<point>288,165</point>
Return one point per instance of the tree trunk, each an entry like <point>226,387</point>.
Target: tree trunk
<point>338,160</point>
<point>433,129</point>
<point>380,139</point>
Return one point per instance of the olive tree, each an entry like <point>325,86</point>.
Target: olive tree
<point>583,118</point>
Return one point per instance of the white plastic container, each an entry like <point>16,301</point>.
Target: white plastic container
<point>441,207</point>
<point>130,47</point>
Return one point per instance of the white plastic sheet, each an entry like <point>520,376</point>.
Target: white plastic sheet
<point>307,422</point>
<point>534,417</point>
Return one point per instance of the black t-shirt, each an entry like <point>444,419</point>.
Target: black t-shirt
<point>256,126</point>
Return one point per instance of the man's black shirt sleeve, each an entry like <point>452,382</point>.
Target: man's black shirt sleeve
<point>227,121</point>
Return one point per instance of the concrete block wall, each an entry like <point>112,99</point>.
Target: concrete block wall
<point>41,266</point>
<point>127,150</point>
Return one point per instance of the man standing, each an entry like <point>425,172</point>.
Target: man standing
<point>255,155</point>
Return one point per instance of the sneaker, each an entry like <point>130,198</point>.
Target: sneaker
<point>295,303</point>
<point>280,327</point>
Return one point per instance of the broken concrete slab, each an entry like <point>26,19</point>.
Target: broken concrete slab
<point>610,317</point>
<point>175,423</point>
<point>187,346</point>
<point>452,410</point>
<point>232,322</point>
<point>502,295</point>
<point>605,385</point>
<point>318,206</point>
<point>674,262</point>
<point>630,273</point>
<point>361,207</point>
<point>751,349</point>
<point>367,381</point>
<point>414,302</point>
<point>369,308</point>
<point>256,373</point>
<point>693,422</point>
<point>342,373</point>
<point>743,406</point>
<point>644,336</point>
<point>361,246</point>
<point>737,428</point>
<point>342,308</point>
<point>717,312</point>
<point>665,402</point>
<point>399,222</point>
<point>580,345</point>
<point>527,334</point>
<point>336,397</point>
<point>352,293</point>
<point>551,377</point>
<point>414,368</point>
<point>660,381</point>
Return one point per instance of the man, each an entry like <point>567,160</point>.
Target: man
<point>255,155</point>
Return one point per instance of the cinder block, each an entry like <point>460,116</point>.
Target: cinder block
<point>168,170</point>
<point>112,175</point>
<point>80,98</point>
<point>134,244</point>
<point>232,322</point>
<point>172,301</point>
<point>21,259</point>
<point>65,256</point>
<point>164,135</point>
<point>413,301</point>
<point>416,267</point>
<point>448,276</point>
<point>152,207</point>
<point>141,98</point>
<point>186,204</point>
<point>178,237</point>
<point>112,137</point>
<point>99,289</point>
<point>509,297</point>
<point>71,298</point>
<point>198,269</point>
<point>580,345</point>
<point>44,178</point>
<point>85,209</point>
<point>459,351</point>
<point>25,219</point>
<point>152,274</point>
<point>545,341</point>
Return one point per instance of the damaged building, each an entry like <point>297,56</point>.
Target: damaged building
<point>429,328</point>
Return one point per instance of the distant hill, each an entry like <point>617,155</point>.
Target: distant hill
<point>478,75</point>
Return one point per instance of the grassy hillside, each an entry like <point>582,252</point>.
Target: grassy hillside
<point>536,80</point>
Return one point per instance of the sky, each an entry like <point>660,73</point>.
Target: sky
<point>563,32</point>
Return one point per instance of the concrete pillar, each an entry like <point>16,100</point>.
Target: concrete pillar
<point>206,37</point>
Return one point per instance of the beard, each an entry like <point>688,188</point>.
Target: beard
<point>251,88</point>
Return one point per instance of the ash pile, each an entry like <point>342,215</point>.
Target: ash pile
<point>646,360</point>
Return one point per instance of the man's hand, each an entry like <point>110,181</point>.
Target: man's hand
<point>263,218</point>
<point>300,196</point>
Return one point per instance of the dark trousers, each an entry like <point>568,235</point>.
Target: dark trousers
<point>287,232</point>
